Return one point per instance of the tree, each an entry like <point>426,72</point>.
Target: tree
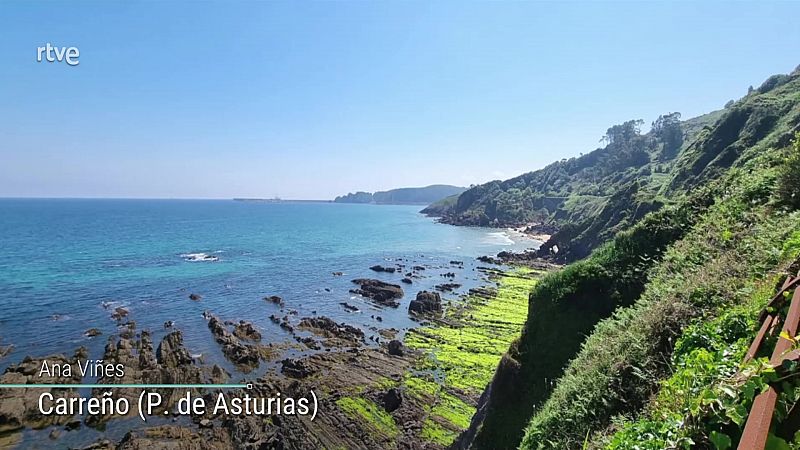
<point>667,129</point>
<point>626,146</point>
<point>624,133</point>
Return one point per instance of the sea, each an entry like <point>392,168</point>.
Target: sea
<point>66,264</point>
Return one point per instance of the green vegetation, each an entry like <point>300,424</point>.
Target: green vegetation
<point>363,409</point>
<point>589,198</point>
<point>467,352</point>
<point>789,177</point>
<point>463,352</point>
<point>716,266</point>
<point>635,346</point>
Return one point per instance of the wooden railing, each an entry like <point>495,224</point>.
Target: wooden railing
<point>756,430</point>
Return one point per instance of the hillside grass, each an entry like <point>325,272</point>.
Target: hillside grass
<point>717,266</point>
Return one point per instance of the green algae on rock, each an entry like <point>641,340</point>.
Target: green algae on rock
<point>462,351</point>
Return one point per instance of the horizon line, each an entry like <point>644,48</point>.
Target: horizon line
<point>9,197</point>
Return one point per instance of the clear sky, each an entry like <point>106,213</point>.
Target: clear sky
<point>311,100</point>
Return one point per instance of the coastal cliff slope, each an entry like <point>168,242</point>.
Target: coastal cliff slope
<point>630,339</point>
<point>588,198</point>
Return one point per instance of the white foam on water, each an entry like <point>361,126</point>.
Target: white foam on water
<point>199,257</point>
<point>498,238</point>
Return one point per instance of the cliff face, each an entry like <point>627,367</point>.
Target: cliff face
<point>708,216</point>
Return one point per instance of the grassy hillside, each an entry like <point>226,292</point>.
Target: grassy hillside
<point>713,237</point>
<point>590,197</point>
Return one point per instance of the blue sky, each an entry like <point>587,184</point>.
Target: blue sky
<point>311,100</point>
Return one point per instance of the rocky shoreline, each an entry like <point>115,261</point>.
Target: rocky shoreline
<point>374,393</point>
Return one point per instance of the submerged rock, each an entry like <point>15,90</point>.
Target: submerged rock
<point>195,297</point>
<point>380,268</point>
<point>119,313</point>
<point>5,350</point>
<point>274,299</point>
<point>92,332</point>
<point>349,307</point>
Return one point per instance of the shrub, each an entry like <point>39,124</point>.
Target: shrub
<point>789,177</point>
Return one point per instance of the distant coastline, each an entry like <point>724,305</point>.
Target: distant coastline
<point>403,196</point>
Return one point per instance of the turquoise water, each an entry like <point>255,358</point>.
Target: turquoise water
<point>61,260</point>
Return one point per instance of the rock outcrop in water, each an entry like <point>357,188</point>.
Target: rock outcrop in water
<point>245,356</point>
<point>382,293</point>
<point>337,334</point>
<point>246,331</point>
<point>426,303</point>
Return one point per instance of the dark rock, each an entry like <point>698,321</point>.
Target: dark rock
<point>349,307</point>
<point>392,399</point>
<point>5,350</point>
<point>308,342</point>
<point>296,368</point>
<point>338,274</point>
<point>381,292</point>
<point>195,297</point>
<point>234,350</point>
<point>488,260</point>
<point>274,299</point>
<point>168,324</point>
<point>388,333</point>
<point>92,332</point>
<point>407,280</point>
<point>380,268</point>
<point>119,313</point>
<point>327,327</point>
<point>426,303</point>
<point>171,353</point>
<point>447,287</point>
<point>246,330</point>
<point>395,348</point>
